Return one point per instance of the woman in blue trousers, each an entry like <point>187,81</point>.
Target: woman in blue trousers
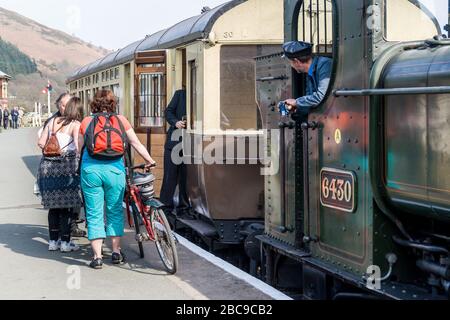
<point>103,184</point>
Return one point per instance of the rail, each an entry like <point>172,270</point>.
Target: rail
<point>391,91</point>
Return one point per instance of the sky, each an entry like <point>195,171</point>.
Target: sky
<point>113,24</point>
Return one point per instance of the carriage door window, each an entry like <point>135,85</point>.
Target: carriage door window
<point>150,90</point>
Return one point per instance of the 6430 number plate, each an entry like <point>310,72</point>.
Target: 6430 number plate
<point>337,189</point>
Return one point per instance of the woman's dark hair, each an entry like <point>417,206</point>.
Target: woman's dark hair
<point>104,101</point>
<point>73,112</point>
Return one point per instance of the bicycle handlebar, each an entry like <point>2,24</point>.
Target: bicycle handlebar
<point>143,166</point>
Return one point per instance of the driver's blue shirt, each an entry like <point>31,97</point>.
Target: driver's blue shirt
<point>318,79</point>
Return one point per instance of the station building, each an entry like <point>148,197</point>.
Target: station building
<point>4,79</point>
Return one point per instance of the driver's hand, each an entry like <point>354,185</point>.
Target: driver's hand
<point>291,105</point>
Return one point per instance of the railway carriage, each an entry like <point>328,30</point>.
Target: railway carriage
<point>360,207</point>
<point>211,55</point>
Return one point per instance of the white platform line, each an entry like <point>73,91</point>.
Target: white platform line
<point>229,268</point>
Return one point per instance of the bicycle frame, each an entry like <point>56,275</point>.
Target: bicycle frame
<point>132,192</point>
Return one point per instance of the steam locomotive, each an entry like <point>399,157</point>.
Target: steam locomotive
<point>360,207</point>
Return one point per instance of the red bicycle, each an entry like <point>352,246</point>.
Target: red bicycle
<point>147,213</point>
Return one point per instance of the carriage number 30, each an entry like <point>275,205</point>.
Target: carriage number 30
<point>337,189</point>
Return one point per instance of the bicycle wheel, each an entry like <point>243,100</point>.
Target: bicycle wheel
<point>165,242</point>
<point>135,212</point>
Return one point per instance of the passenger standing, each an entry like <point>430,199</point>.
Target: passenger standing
<point>175,175</point>
<point>61,103</point>
<point>58,177</point>
<point>103,180</point>
<point>75,213</point>
<point>15,118</point>
<point>5,118</point>
<point>21,113</point>
<point>1,115</point>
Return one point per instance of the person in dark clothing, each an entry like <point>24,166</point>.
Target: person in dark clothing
<point>318,73</point>
<point>5,118</point>
<point>15,118</point>
<point>175,175</point>
<point>1,115</point>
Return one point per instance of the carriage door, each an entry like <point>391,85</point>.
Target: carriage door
<point>150,103</point>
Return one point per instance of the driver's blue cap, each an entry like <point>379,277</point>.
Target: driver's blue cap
<point>297,49</point>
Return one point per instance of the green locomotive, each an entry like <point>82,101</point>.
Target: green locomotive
<point>360,205</point>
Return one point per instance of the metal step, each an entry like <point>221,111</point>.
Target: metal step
<point>203,228</point>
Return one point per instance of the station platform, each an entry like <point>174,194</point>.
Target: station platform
<point>29,271</point>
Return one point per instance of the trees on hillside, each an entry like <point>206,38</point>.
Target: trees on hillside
<point>13,61</point>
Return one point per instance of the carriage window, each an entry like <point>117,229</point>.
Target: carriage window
<point>427,17</point>
<point>151,98</point>
<point>238,105</point>
<point>315,25</point>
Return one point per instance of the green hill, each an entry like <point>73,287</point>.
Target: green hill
<point>13,61</point>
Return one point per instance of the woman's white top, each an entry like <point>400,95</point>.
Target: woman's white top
<point>65,139</point>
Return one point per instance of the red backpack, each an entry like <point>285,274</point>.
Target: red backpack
<point>105,137</point>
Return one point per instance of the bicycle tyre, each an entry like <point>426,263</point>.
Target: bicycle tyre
<point>169,259</point>
<point>135,212</point>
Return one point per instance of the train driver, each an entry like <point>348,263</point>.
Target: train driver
<point>318,70</point>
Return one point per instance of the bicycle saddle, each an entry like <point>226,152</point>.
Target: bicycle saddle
<point>141,179</point>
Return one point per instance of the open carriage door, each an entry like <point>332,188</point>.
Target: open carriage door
<point>150,96</point>
<point>150,92</point>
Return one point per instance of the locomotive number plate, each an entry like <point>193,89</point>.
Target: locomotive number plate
<point>337,189</point>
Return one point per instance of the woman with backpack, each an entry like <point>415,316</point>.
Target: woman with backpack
<point>105,137</point>
<point>58,178</point>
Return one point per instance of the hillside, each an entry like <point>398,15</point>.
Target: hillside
<point>55,53</point>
